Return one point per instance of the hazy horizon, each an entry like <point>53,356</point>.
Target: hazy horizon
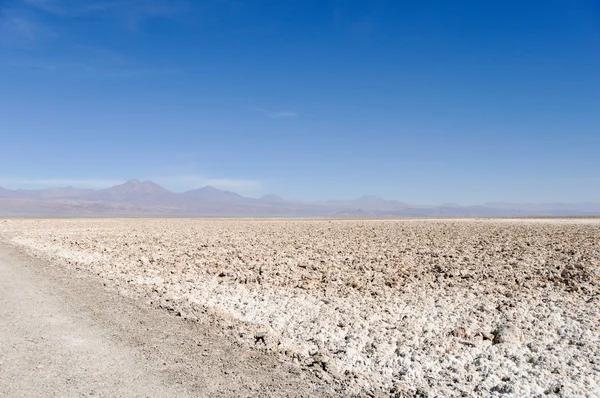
<point>467,103</point>
<point>371,199</point>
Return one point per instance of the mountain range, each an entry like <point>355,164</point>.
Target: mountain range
<point>146,198</point>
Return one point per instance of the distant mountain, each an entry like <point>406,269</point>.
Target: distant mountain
<point>212,194</point>
<point>376,202</point>
<point>17,193</point>
<point>136,197</point>
<point>134,191</point>
<point>273,199</point>
<point>450,204</point>
<point>548,207</point>
<point>371,200</point>
<point>352,213</point>
<point>63,193</point>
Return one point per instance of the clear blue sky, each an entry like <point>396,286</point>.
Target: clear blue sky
<point>421,101</point>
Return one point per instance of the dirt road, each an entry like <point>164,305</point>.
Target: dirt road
<point>65,336</point>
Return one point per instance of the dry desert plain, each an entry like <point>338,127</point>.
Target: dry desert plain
<point>431,308</point>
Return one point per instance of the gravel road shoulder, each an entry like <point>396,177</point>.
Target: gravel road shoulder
<point>68,336</point>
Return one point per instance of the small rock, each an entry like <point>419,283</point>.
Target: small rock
<point>459,332</point>
<point>503,389</point>
<point>260,338</point>
<point>555,389</point>
<point>507,334</point>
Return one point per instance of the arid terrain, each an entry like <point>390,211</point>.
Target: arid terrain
<point>429,308</point>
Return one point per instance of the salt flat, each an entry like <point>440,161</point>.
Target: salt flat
<point>431,307</point>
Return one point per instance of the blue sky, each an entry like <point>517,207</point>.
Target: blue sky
<point>425,102</point>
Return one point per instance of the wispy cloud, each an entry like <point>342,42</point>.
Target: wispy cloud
<point>183,182</point>
<point>176,182</point>
<point>129,13</point>
<point>58,182</point>
<point>20,29</point>
<point>50,6</point>
<point>88,68</point>
<point>23,26</point>
<point>276,114</point>
<point>34,26</point>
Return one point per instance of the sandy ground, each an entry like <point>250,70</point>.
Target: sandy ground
<point>68,336</point>
<point>403,308</point>
<point>49,349</point>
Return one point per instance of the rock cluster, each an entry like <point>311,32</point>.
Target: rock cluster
<point>404,308</point>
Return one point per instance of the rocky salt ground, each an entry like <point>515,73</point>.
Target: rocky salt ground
<point>405,308</point>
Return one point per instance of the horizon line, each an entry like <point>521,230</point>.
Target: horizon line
<point>115,183</point>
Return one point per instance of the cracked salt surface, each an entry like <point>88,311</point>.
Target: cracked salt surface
<point>430,307</point>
